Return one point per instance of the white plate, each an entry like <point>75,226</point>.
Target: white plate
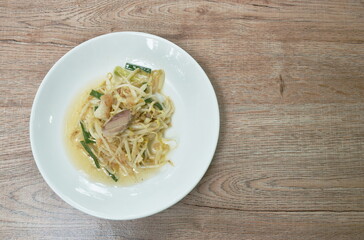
<point>195,125</point>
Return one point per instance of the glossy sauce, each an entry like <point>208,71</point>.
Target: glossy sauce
<point>80,158</point>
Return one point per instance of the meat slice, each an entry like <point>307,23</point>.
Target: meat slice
<point>117,124</point>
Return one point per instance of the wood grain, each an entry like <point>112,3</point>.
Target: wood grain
<point>289,76</point>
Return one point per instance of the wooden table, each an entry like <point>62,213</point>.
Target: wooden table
<point>289,76</point>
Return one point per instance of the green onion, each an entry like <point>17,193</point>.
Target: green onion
<point>112,175</point>
<point>158,105</point>
<point>148,100</point>
<point>96,107</point>
<point>86,134</point>
<point>96,94</point>
<point>132,67</point>
<point>119,71</point>
<point>96,160</point>
<point>89,151</point>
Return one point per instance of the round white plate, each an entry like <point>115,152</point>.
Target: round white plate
<point>195,125</point>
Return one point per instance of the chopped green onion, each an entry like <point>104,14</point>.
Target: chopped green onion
<point>89,151</point>
<point>96,94</point>
<point>158,105</point>
<point>132,67</point>
<point>96,107</point>
<point>112,175</point>
<point>119,71</point>
<point>148,100</point>
<point>86,134</point>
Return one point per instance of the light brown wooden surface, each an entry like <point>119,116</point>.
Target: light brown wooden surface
<point>289,76</point>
